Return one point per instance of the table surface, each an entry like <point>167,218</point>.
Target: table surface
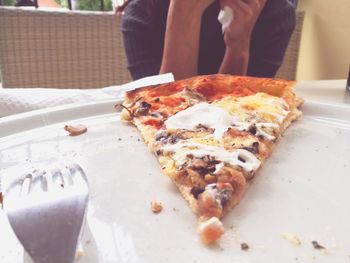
<point>327,91</point>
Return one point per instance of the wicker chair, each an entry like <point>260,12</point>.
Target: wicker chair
<point>288,70</point>
<point>60,49</point>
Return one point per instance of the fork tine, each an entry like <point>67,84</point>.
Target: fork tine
<point>36,182</point>
<point>76,171</point>
<point>26,185</point>
<point>56,176</point>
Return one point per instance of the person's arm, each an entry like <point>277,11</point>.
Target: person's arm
<point>236,58</point>
<point>181,43</point>
<point>237,35</point>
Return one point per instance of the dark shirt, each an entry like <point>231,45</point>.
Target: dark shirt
<point>25,3</point>
<point>144,24</point>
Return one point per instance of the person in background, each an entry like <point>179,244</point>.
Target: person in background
<point>185,37</point>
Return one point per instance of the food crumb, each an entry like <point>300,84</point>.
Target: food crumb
<point>244,246</point>
<point>294,239</point>
<point>119,139</point>
<point>118,106</point>
<point>210,230</point>
<point>175,209</point>
<point>1,198</point>
<point>156,207</point>
<point>317,245</point>
<point>75,130</point>
<point>80,252</point>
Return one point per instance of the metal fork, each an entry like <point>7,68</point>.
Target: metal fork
<point>46,210</point>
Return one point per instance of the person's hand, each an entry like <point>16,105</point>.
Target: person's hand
<point>120,9</point>
<point>237,35</point>
<point>246,12</point>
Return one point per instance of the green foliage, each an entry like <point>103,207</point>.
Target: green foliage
<point>92,5</point>
<point>9,2</point>
<point>62,3</point>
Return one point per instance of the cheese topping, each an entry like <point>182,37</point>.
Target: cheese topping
<point>260,130</point>
<point>241,115</point>
<point>239,157</point>
<point>263,111</point>
<point>261,104</point>
<point>202,114</point>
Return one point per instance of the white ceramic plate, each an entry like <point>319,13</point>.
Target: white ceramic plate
<point>303,190</point>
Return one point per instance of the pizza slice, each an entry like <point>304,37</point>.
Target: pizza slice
<point>211,135</point>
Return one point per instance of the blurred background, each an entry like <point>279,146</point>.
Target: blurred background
<point>321,50</point>
<point>325,41</point>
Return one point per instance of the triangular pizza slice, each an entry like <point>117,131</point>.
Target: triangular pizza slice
<point>211,135</point>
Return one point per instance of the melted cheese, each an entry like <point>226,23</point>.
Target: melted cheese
<point>202,114</point>
<point>264,111</point>
<point>208,140</point>
<point>260,130</point>
<point>262,105</point>
<point>239,157</point>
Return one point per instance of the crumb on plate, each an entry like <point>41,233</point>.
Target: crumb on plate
<point>80,252</point>
<point>1,198</point>
<point>156,207</point>
<point>210,230</point>
<point>244,246</point>
<point>316,245</point>
<point>76,129</point>
<point>294,239</point>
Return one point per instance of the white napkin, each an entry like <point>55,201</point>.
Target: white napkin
<point>13,101</point>
<point>226,17</point>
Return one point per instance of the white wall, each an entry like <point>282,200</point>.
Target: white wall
<point>325,42</point>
